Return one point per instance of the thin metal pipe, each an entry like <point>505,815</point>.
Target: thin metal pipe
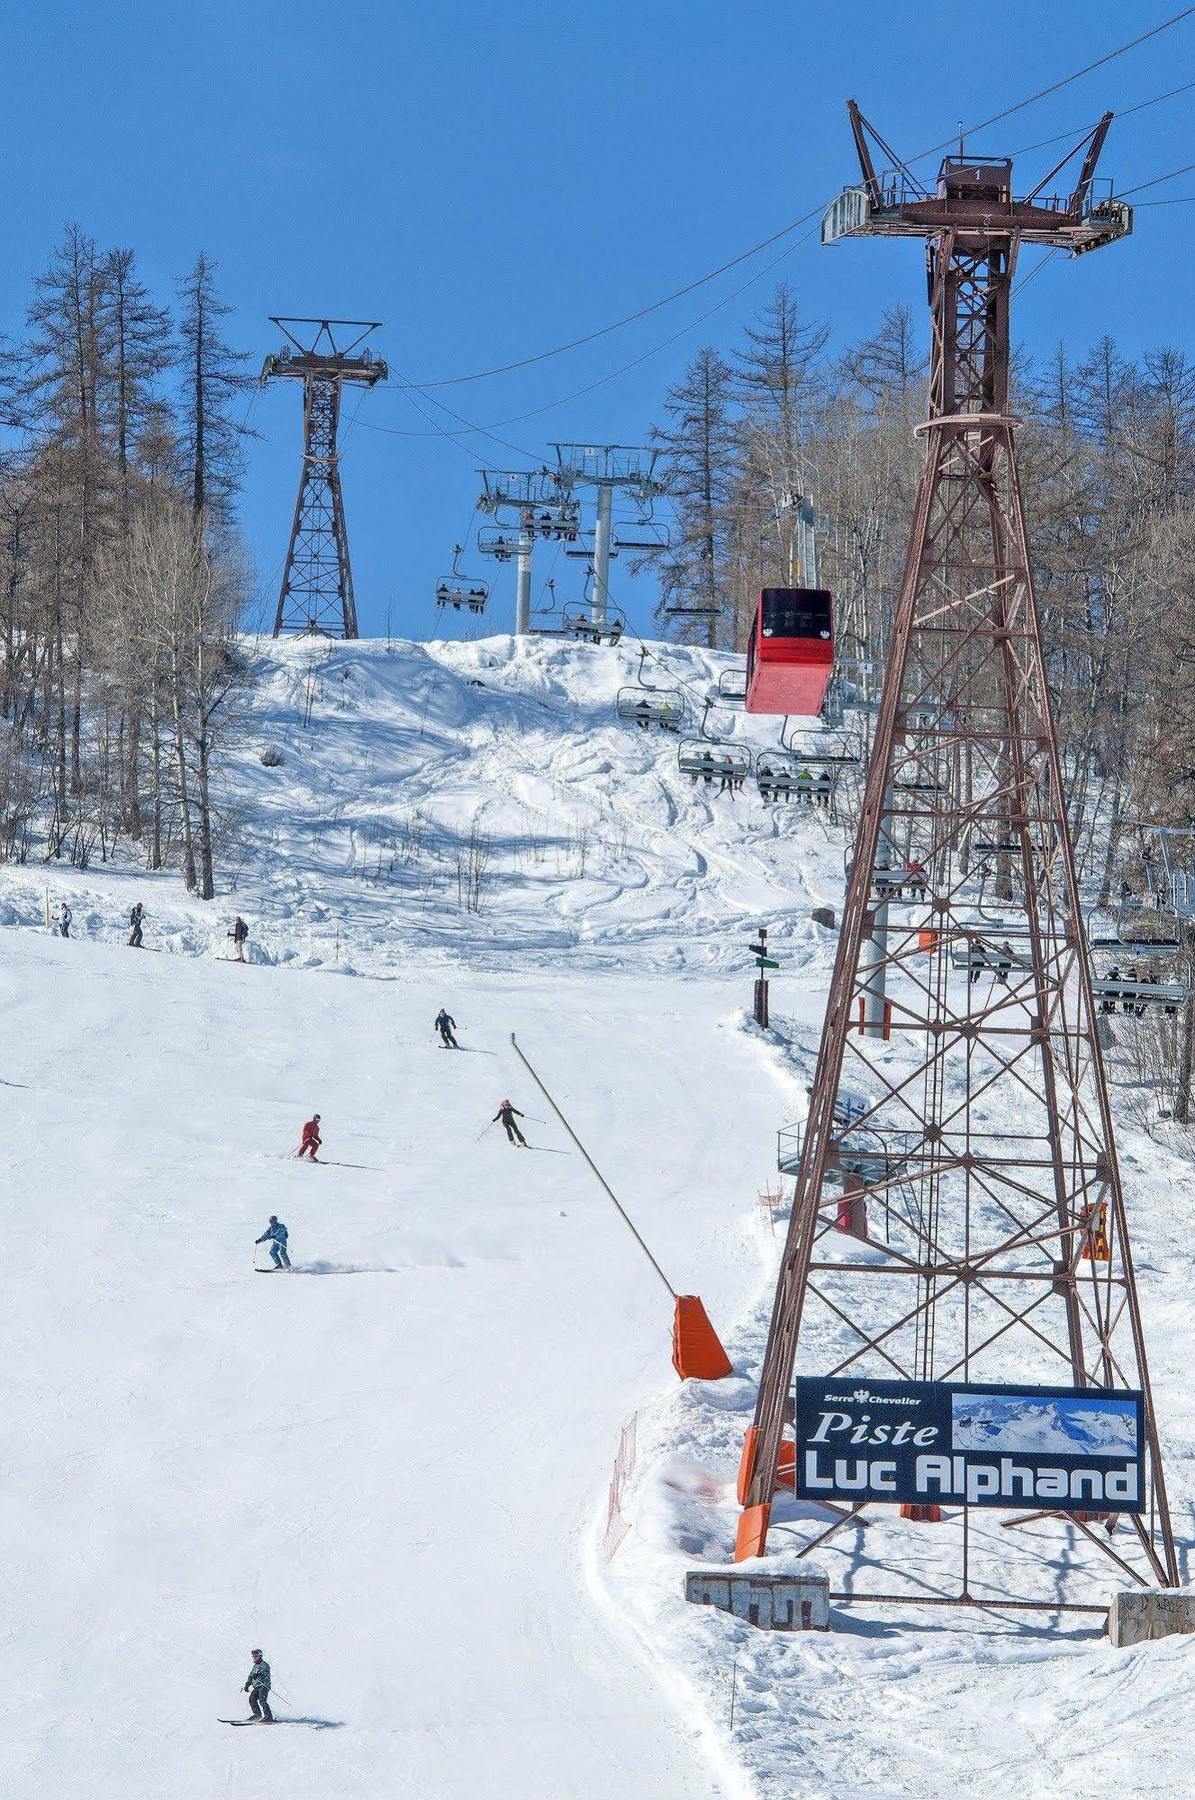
<point>626,1218</point>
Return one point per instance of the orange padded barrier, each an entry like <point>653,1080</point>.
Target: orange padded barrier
<point>922,1515</point>
<point>697,1353</point>
<point>752,1535</point>
<point>746,1463</point>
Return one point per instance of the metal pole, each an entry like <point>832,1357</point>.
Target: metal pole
<point>523,590</point>
<point>874,949</point>
<point>601,552</point>
<point>584,1152</point>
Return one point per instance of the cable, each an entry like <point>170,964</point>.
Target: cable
<point>1121,113</point>
<point>525,362</point>
<point>614,374</point>
<point>690,287</point>
<point>1156,182</point>
<point>1056,86</point>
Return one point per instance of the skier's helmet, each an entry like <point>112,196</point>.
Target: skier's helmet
<point>315,1116</point>
<point>506,1103</point>
<point>255,1653</point>
<point>273,1218</point>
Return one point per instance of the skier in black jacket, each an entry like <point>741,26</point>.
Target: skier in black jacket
<point>445,1024</point>
<point>258,1688</point>
<point>508,1114</point>
<point>136,918</point>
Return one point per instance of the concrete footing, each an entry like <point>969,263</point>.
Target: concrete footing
<point>773,1602</point>
<point>1143,1614</point>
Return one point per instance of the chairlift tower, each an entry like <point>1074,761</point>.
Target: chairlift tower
<point>605,467</point>
<point>523,493</point>
<point>958,1214</point>
<point>317,582</point>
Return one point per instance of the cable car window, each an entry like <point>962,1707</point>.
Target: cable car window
<point>795,613</point>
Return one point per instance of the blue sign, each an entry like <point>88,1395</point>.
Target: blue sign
<point>954,1443</point>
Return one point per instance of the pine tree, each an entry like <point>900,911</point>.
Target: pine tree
<point>142,350</point>
<point>213,380</point>
<point>698,457</point>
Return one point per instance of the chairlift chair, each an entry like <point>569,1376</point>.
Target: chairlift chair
<point>643,534</point>
<point>691,609</point>
<point>780,776</point>
<point>732,686</point>
<point>1130,993</point>
<point>652,706</point>
<point>702,760</point>
<point>502,542</point>
<point>459,590</point>
<point>577,623</point>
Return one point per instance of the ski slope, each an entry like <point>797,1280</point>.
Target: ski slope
<point>386,1468</point>
<point>389,1469</point>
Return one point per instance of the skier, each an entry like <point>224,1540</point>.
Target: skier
<point>275,1236</point>
<point>64,919</point>
<point>311,1138</point>
<point>445,1024</point>
<point>239,935</point>
<point>136,918</point>
<point>258,1689</point>
<point>508,1114</point>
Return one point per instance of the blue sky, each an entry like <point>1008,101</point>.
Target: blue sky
<point>492,181</point>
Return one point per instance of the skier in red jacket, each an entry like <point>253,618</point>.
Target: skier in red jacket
<point>311,1138</point>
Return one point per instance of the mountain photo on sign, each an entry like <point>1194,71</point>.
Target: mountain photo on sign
<point>1104,1425</point>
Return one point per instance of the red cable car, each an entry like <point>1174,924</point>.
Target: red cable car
<point>790,653</point>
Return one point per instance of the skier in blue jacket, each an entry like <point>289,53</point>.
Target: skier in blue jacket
<point>275,1236</point>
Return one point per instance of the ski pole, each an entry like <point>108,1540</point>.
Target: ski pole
<point>483,1131</point>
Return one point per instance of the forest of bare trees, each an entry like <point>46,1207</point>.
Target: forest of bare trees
<point>122,578</point>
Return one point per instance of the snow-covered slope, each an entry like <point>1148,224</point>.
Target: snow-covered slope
<point>390,1469</point>
<point>386,1468</point>
<point>593,848</point>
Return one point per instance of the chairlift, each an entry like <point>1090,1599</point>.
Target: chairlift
<point>501,542</point>
<point>821,747</point>
<point>560,523</point>
<point>691,609</point>
<point>782,777</point>
<point>978,956</point>
<point>728,765</point>
<point>652,706</point>
<point>732,686</point>
<point>458,590</point>
<point>1128,992</point>
<point>643,534</point>
<point>906,881</point>
<point>577,623</point>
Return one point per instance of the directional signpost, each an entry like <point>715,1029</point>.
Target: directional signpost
<point>762,961</point>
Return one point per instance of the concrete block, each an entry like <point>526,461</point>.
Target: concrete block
<point>773,1602</point>
<point>1143,1614</point>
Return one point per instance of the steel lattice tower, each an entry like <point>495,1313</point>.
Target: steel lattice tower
<point>317,582</point>
<point>958,1212</point>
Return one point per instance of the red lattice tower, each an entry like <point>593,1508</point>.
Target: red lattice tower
<point>958,1213</point>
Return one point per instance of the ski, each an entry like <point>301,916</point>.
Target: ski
<point>245,1721</point>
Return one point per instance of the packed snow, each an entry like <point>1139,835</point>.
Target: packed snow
<point>391,1468</point>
